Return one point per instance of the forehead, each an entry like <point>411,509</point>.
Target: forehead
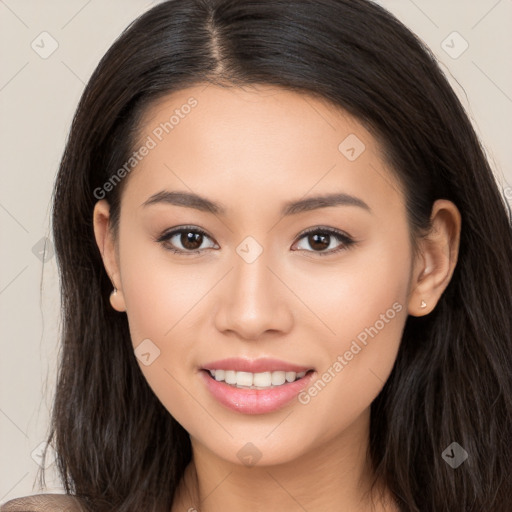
<point>243,117</point>
<point>255,142</point>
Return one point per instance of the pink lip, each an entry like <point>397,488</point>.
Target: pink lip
<point>263,364</point>
<point>255,401</point>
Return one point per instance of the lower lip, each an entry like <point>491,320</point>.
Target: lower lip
<point>255,401</point>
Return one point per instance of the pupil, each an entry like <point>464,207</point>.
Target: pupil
<point>319,245</point>
<point>191,239</point>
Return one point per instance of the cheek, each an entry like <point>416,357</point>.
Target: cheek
<point>351,294</point>
<point>158,291</point>
<point>160,296</point>
<point>364,302</point>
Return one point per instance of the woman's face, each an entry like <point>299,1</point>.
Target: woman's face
<point>254,285</point>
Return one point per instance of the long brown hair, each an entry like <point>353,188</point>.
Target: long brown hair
<point>118,447</point>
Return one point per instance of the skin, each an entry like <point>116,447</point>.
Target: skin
<point>253,149</point>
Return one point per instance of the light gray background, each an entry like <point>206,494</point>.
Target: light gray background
<point>38,97</point>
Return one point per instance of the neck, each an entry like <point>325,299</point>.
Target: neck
<point>333,475</point>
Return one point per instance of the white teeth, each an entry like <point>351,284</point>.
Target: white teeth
<point>255,380</point>
<point>261,380</point>
<point>278,378</point>
<point>230,377</point>
<point>243,379</point>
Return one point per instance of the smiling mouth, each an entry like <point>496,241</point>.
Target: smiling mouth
<point>262,380</point>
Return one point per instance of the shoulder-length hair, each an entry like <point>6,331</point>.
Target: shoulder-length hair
<point>117,446</point>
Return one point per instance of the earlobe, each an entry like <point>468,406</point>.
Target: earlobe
<point>107,248</point>
<point>117,300</point>
<point>436,259</point>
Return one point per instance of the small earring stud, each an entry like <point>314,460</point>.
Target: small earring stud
<point>423,304</point>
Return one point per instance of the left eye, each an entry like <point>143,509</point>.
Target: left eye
<point>320,239</point>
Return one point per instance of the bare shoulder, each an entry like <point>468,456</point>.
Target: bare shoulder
<point>44,503</point>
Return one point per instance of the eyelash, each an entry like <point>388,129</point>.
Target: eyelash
<point>346,241</point>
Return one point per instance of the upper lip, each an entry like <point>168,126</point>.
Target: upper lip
<point>263,364</point>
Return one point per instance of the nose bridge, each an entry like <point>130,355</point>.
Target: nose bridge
<point>251,278</point>
<point>251,302</point>
<point>251,275</point>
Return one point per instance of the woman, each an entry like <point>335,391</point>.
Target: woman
<point>286,271</point>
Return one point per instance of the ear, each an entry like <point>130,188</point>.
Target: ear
<point>436,259</point>
<point>106,244</point>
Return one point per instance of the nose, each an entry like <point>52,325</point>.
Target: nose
<point>253,300</point>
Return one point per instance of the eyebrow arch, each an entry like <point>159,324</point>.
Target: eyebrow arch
<point>191,200</point>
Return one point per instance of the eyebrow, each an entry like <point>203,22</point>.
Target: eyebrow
<point>191,200</point>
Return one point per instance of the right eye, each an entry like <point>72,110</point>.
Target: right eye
<point>189,237</point>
